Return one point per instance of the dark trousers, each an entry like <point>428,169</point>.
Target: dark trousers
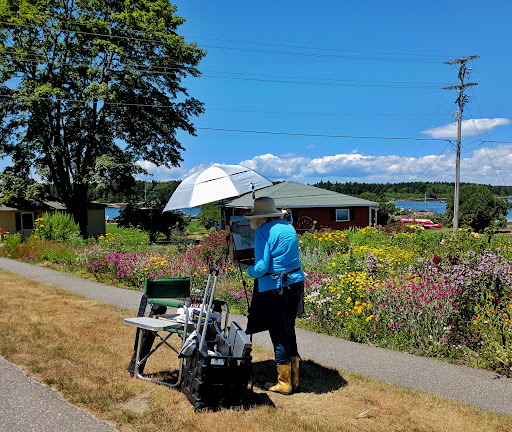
<point>282,312</point>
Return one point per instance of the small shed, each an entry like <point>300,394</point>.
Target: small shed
<point>309,207</point>
<point>21,219</point>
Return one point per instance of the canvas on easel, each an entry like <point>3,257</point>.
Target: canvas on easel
<point>241,240</point>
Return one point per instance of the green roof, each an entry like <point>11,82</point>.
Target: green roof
<point>6,208</point>
<point>298,195</point>
<point>46,205</point>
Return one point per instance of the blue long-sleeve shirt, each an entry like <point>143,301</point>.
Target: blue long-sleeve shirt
<point>276,249</point>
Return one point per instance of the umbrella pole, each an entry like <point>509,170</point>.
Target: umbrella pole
<point>235,253</point>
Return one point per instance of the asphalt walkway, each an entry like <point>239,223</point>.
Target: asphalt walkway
<point>479,388</point>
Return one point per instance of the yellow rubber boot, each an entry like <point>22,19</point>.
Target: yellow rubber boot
<point>284,380</point>
<point>295,372</point>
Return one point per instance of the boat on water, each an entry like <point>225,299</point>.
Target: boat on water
<point>425,223</point>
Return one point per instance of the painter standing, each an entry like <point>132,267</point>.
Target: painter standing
<point>279,289</point>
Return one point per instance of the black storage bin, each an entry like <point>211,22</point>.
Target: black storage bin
<point>213,386</point>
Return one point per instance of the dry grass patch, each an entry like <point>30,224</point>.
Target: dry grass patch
<point>81,348</point>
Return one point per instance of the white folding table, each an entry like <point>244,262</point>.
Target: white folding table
<point>153,325</point>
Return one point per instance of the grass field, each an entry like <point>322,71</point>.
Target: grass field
<point>85,360</point>
<point>196,228</point>
<point>132,235</point>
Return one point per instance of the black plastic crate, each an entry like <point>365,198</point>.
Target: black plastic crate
<point>212,386</point>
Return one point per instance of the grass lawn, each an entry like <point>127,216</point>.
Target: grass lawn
<point>132,235</point>
<point>196,228</point>
<point>85,360</point>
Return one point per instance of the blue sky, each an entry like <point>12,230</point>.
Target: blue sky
<point>306,76</point>
<point>361,69</point>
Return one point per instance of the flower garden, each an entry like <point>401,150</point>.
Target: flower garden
<point>421,291</point>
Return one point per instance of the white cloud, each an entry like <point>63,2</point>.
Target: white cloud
<point>472,127</point>
<point>487,165</point>
<point>484,165</point>
<point>160,173</point>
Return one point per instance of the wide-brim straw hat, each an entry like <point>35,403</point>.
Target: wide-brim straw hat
<point>264,207</point>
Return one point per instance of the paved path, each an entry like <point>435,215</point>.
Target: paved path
<point>26,405</point>
<point>476,387</point>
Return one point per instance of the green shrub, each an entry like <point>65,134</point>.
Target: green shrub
<point>210,214</point>
<point>493,323</point>
<point>118,238</point>
<point>11,241</point>
<point>54,252</point>
<point>152,220</point>
<point>56,226</point>
<point>76,240</point>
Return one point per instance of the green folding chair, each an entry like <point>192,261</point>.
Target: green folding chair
<point>160,294</point>
<point>167,292</point>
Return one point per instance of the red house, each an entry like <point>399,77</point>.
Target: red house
<point>309,207</point>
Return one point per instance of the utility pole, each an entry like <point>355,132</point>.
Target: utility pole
<point>461,101</point>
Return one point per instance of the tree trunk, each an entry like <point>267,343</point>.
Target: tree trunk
<point>77,205</point>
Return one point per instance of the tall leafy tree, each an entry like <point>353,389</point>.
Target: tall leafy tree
<point>152,220</point>
<point>479,208</point>
<point>90,87</point>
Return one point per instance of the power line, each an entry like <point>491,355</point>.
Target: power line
<point>381,188</point>
<point>346,57</point>
<point>432,163</point>
<point>90,101</point>
<point>8,96</point>
<point>316,48</point>
<point>255,43</point>
<point>327,79</point>
<point>487,133</point>
<point>312,113</point>
<point>360,84</point>
<point>241,130</point>
<point>497,142</point>
<point>335,82</point>
<point>318,135</point>
<point>486,152</point>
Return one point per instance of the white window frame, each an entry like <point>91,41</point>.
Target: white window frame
<point>342,220</point>
<point>22,224</point>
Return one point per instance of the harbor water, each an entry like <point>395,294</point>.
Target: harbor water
<point>113,212</point>
<point>438,207</point>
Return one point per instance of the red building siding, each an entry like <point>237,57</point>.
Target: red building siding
<point>304,218</point>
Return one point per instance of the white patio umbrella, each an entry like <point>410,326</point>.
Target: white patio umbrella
<point>215,183</point>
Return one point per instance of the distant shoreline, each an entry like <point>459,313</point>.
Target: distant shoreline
<point>116,205</point>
